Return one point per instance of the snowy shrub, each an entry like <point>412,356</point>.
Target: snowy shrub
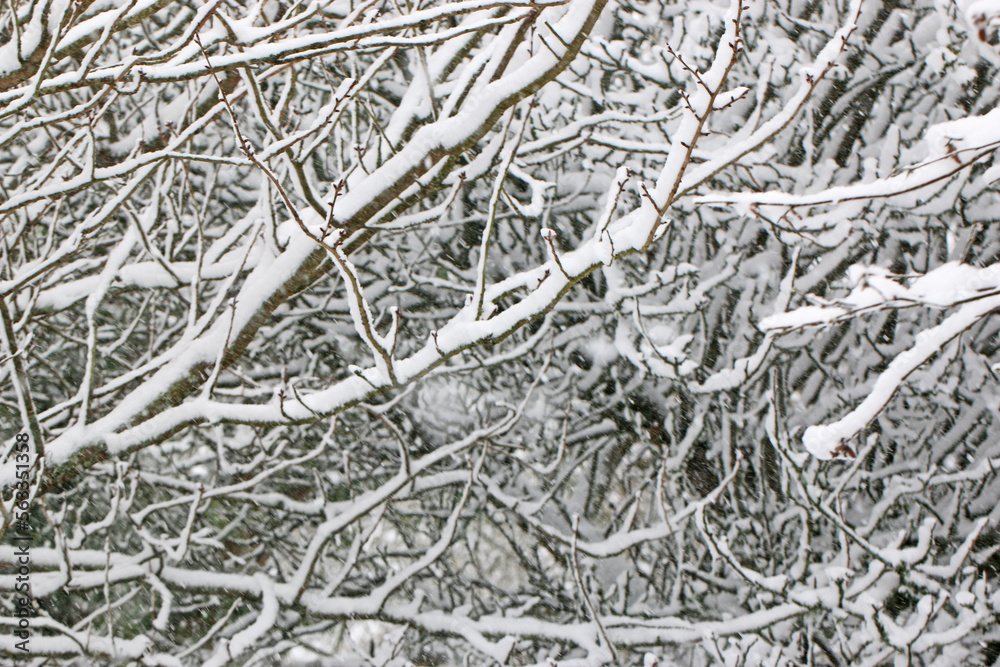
<point>530,332</point>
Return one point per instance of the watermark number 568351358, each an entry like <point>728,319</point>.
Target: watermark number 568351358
<point>22,542</point>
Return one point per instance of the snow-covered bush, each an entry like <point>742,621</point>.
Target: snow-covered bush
<point>531,332</point>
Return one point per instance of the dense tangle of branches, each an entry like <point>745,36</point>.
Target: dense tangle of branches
<point>526,332</point>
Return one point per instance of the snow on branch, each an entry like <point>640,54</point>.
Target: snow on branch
<point>491,332</point>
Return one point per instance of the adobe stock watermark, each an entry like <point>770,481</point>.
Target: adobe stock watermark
<point>22,544</point>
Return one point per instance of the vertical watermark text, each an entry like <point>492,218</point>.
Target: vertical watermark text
<point>22,543</point>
